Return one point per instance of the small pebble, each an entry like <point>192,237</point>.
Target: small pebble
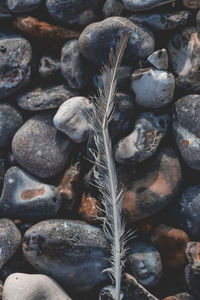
<point>49,67</point>
<point>21,6</point>
<point>159,59</point>
<point>137,5</point>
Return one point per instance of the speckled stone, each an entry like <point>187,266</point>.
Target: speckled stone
<point>153,88</point>
<point>49,67</point>
<point>15,64</point>
<point>74,253</point>
<point>10,240</point>
<point>49,97</point>
<point>108,31</point>
<point>24,196</point>
<point>159,59</point>
<point>73,66</point>
<point>144,140</point>
<point>137,5</point>
<point>20,6</point>
<point>145,263</point>
<point>39,148</point>
<point>74,12</point>
<point>186,127</point>
<point>10,121</point>
<point>31,287</point>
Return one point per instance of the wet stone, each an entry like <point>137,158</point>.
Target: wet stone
<point>49,67</point>
<point>24,196</point>
<point>49,97</point>
<point>144,140</point>
<point>73,67</point>
<point>159,59</point>
<point>19,6</point>
<point>68,250</point>
<point>153,88</point>
<point>39,148</point>
<point>135,5</point>
<point>10,121</point>
<point>108,31</point>
<point>186,127</point>
<point>15,64</point>
<point>31,287</point>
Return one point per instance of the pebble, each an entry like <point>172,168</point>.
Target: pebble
<point>144,140</point>
<point>153,186</point>
<point>72,118</point>
<point>181,296</point>
<point>162,21</point>
<point>108,31</point>
<point>21,6</point>
<point>51,96</point>
<point>74,12</point>
<point>89,209</point>
<point>39,148</point>
<point>184,55</point>
<point>186,127</point>
<point>73,67</point>
<point>192,270</point>
<point>10,121</point>
<point>73,252</point>
<point>145,263</point>
<point>15,64</point>
<point>137,5</point>
<point>4,12</point>
<point>191,4</point>
<point>171,244</point>
<point>10,240</point>
<point>32,286</point>
<point>24,196</point>
<point>153,88</point>
<point>159,59</point>
<point>113,8</point>
<point>50,67</point>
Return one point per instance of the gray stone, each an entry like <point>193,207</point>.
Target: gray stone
<point>24,196</point>
<point>98,38</point>
<point>73,252</point>
<point>137,5</point>
<point>39,148</point>
<point>144,140</point>
<point>73,66</point>
<point>49,97</point>
<point>49,66</point>
<point>159,59</point>
<point>32,287</point>
<point>19,6</point>
<point>10,121</point>
<point>15,64</point>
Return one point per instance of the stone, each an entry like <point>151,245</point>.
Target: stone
<point>10,121</point>
<point>113,8</point>
<point>49,67</point>
<point>31,287</point>
<point>145,263</point>
<point>144,140</point>
<point>39,148</point>
<point>15,64</point>
<point>108,31</point>
<point>73,66</point>
<point>184,55</point>
<point>4,12</point>
<point>186,128</point>
<point>192,280</point>
<point>108,293</point>
<point>21,6</point>
<point>10,240</point>
<point>135,5</point>
<point>192,270</point>
<point>153,88</point>
<point>68,250</point>
<point>89,209</point>
<point>72,118</point>
<point>74,12</point>
<point>181,296</point>
<point>152,186</point>
<point>171,244</point>
<point>162,21</point>
<point>198,23</point>
<point>24,196</point>
<point>191,4</point>
<point>52,96</point>
<point>159,59</point>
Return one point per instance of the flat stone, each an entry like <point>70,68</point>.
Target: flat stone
<point>135,5</point>
<point>73,252</point>
<point>20,6</point>
<point>159,59</point>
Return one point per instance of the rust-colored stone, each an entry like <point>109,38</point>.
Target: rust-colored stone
<point>89,209</point>
<point>30,194</point>
<point>171,243</point>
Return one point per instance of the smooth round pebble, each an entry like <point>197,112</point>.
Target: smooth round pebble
<point>20,6</point>
<point>137,5</point>
<point>39,148</point>
<point>159,59</point>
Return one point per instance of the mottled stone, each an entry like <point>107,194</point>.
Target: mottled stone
<point>171,244</point>
<point>74,12</point>
<point>20,6</point>
<point>10,121</point>
<point>144,140</point>
<point>137,5</point>
<point>72,252</point>
<point>89,209</point>
<point>153,88</point>
<point>15,64</point>
<point>10,240</point>
<point>49,67</point>
<point>39,148</point>
<point>49,97</point>
<point>186,127</point>
<point>184,55</point>
<point>108,31</point>
<point>113,8</point>
<point>159,59</point>
<point>24,196</point>
<point>73,67</point>
<point>31,287</point>
<point>192,4</point>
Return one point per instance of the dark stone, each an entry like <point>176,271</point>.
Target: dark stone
<point>135,5</point>
<point>20,6</point>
